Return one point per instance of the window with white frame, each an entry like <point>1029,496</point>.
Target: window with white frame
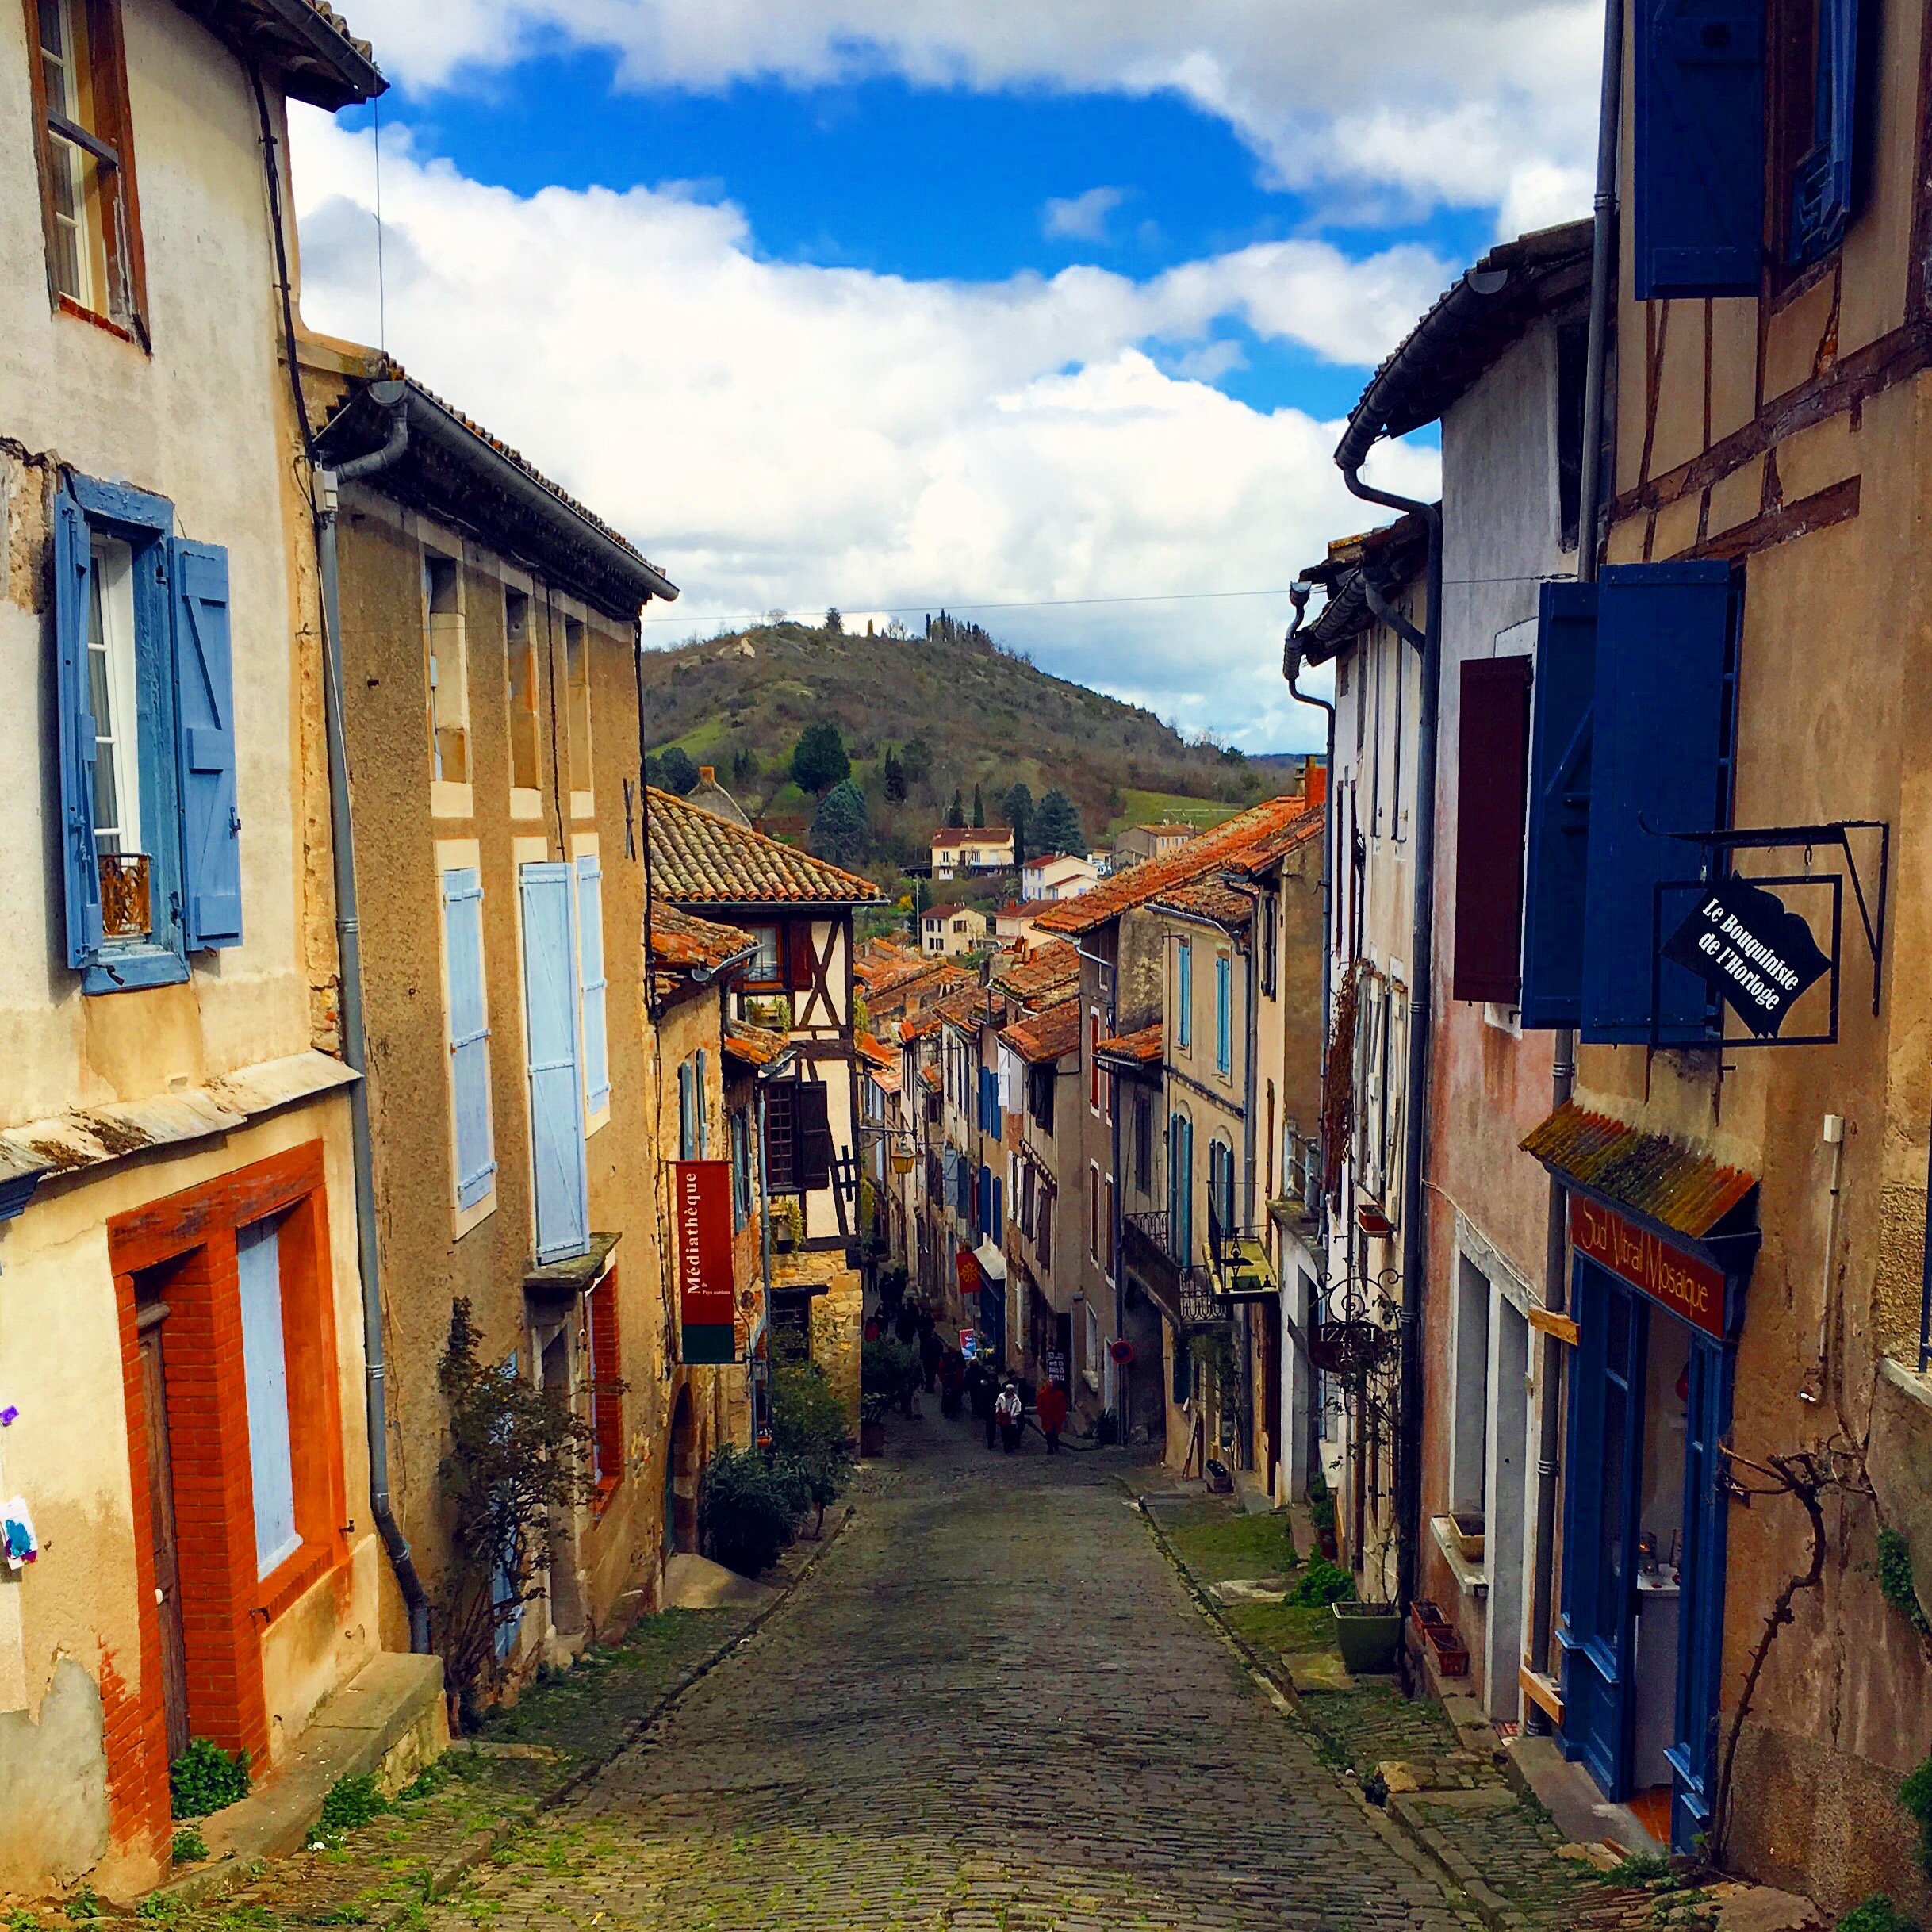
<point>576,682</point>
<point>449,668</point>
<point>520,662</point>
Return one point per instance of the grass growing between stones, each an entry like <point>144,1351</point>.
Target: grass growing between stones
<point>1216,1541</point>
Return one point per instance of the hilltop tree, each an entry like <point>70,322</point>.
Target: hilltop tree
<point>744,765</point>
<point>956,812</point>
<point>916,760</point>
<point>818,759</point>
<point>894,777</point>
<point>834,623</point>
<point>839,831</point>
<point>1056,826</point>
<point>978,810</point>
<point>677,770</point>
<point>1019,807</point>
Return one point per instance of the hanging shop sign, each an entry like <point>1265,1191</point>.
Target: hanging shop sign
<point>1687,1287</point>
<point>1752,949</point>
<point>701,1190</point>
<point>968,1265</point>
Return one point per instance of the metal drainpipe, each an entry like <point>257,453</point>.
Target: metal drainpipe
<point>1415,1244</point>
<point>355,1039</point>
<point>1298,594</point>
<point>1563,1067</point>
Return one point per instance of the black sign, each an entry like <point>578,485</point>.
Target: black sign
<point>1758,954</point>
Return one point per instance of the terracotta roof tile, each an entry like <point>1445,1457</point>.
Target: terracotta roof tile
<point>1252,837</point>
<point>700,860</point>
<point>1045,1035</point>
<point>1045,970</point>
<point>1143,1047</point>
<point>1206,900</point>
<point>929,1077</point>
<point>757,1046</point>
<point>680,940</point>
<point>1650,1174</point>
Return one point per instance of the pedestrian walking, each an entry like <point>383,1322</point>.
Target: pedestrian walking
<point>952,1383</point>
<point>1010,1412</point>
<point>1050,1406</point>
<point>981,1390</point>
<point>932,1352</point>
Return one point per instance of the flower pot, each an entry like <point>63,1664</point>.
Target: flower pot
<point>872,1439</point>
<point>1367,1635</point>
<point>1468,1525</point>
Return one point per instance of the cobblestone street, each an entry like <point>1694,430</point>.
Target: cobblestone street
<point>992,1705</point>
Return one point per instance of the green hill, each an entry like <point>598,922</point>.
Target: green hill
<point>986,716</point>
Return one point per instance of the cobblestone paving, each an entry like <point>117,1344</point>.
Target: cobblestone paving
<point>992,1707</point>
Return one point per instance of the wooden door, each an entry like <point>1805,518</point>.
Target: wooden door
<point>1271,1388</point>
<point>161,1515</point>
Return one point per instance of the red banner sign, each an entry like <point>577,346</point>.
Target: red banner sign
<point>968,1265</point>
<point>707,1294</point>
<point>1685,1286</point>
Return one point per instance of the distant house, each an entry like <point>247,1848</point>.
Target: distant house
<point>1014,922</point>
<point>1103,859</point>
<point>959,850</point>
<point>1139,843</point>
<point>1060,875</point>
<point>947,929</point>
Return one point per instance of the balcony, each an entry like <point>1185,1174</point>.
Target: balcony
<point>1238,1261</point>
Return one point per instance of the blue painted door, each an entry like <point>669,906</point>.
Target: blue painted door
<point>1597,1630</point>
<point>1701,1628</point>
<point>552,1028</point>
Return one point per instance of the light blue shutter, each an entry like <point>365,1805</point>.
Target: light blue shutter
<point>1224,1014</point>
<point>556,1080</point>
<point>462,940</point>
<point>686,1119</point>
<point>265,1378</point>
<point>590,967</point>
<point>80,871</point>
<point>1184,994</point>
<point>204,722</point>
<point>703,1063</point>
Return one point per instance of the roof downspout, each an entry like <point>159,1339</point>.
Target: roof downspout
<point>1563,1067</point>
<point>1292,667</point>
<point>348,932</point>
<point>1415,1245</point>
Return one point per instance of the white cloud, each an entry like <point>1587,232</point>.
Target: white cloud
<point>781,435</point>
<point>1471,102</point>
<point>1081,217</point>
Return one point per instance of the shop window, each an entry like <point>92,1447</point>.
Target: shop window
<point>526,729</point>
<point>149,825</point>
<point>449,669</point>
<point>86,162</point>
<point>1492,776</point>
<point>1698,159</point>
<point>576,683</point>
<point>1631,736</point>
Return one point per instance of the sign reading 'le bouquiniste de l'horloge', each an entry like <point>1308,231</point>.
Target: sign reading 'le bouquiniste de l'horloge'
<point>1752,948</point>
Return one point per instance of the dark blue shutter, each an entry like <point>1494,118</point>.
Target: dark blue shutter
<point>1659,766</point>
<point>1698,211</point>
<point>204,719</point>
<point>997,1227</point>
<point>1821,183</point>
<point>79,869</point>
<point>462,947</point>
<point>1556,871</point>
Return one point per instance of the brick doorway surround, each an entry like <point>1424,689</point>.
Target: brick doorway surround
<point>182,1250</point>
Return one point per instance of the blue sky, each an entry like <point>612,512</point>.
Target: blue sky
<point>985,308</point>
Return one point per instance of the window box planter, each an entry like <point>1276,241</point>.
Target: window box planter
<point>1468,1526</point>
<point>1367,1635</point>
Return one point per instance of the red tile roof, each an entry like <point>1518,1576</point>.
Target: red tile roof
<point>1044,971</point>
<point>682,940</point>
<point>1649,1173</point>
<point>1045,1035</point>
<point>1252,838</point>
<point>1206,900</point>
<point>972,834</point>
<point>698,859</point>
<point>757,1046</point>
<point>1143,1047</point>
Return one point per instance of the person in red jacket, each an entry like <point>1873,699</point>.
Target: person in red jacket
<point>1050,1406</point>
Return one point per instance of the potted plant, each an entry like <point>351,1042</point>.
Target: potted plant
<point>1366,1635</point>
<point>1468,1526</point>
<point>885,1371</point>
<point>787,1226</point>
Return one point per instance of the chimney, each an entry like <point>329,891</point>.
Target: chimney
<point>1314,782</point>
<point>707,774</point>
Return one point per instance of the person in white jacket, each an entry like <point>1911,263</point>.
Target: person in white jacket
<point>1009,1413</point>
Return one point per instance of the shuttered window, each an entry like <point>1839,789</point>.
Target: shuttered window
<point>1699,154</point>
<point>554,1038</point>
<point>590,985</point>
<point>1183,995</point>
<point>1557,863</point>
<point>204,719</point>
<point>1660,765</point>
<point>1224,1014</point>
<point>466,1006</point>
<point>814,1136</point>
<point>265,1371</point>
<point>701,1074</point>
<point>687,1112</point>
<point>1825,178</point>
<point>1492,776</point>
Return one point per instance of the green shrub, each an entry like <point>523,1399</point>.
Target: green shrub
<point>1322,1582</point>
<point>1915,1795</point>
<point>1877,1914</point>
<point>809,1442</point>
<point>161,1905</point>
<point>205,1778</point>
<point>886,1371</point>
<point>351,1802</point>
<point>1895,1581</point>
<point>83,1904</point>
<point>746,1510</point>
<point>191,1847</point>
<point>1639,1870</point>
<point>428,1781</point>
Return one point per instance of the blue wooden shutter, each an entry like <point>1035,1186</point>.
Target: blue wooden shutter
<point>204,722</point>
<point>1556,871</point>
<point>79,867</point>
<point>462,949</point>
<point>1822,182</point>
<point>1660,765</point>
<point>556,1082</point>
<point>701,1082</point>
<point>265,1382</point>
<point>1699,158</point>
<point>592,982</point>
<point>1184,994</point>
<point>1224,1014</point>
<point>687,1116</point>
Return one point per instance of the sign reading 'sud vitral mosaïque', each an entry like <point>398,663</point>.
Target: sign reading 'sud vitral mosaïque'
<point>1758,954</point>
